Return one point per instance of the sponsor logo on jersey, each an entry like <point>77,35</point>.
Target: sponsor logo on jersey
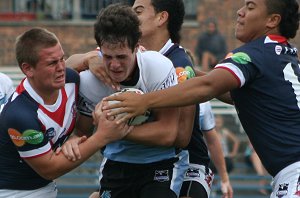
<point>239,57</point>
<point>74,109</point>
<point>161,175</point>
<point>184,74</point>
<point>50,133</point>
<point>29,136</point>
<point>106,194</point>
<point>209,177</point>
<point>169,81</point>
<point>193,172</point>
<point>278,49</point>
<point>282,190</point>
<point>292,51</point>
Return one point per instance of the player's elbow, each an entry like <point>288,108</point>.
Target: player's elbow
<point>182,143</point>
<point>49,174</point>
<point>170,137</point>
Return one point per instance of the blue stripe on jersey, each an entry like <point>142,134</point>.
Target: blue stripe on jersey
<point>23,113</point>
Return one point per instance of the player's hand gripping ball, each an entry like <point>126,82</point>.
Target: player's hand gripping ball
<point>135,120</point>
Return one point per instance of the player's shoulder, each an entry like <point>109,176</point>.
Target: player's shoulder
<point>4,77</point>
<point>72,76</point>
<point>20,103</point>
<point>5,80</point>
<point>179,57</point>
<point>92,88</point>
<point>154,63</point>
<point>153,59</point>
<point>88,79</point>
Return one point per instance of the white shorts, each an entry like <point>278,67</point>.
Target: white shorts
<point>287,182</point>
<point>49,191</point>
<point>199,174</point>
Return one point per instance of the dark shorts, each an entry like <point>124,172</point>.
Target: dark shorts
<point>193,189</point>
<point>127,180</point>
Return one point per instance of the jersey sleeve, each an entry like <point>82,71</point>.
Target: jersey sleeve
<point>91,92</point>
<point>6,89</point>
<point>157,70</point>
<point>244,63</point>
<point>25,131</point>
<point>206,117</point>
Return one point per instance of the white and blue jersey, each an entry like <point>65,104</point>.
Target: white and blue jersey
<point>268,100</point>
<point>149,76</point>
<point>6,89</point>
<point>206,117</point>
<point>29,128</point>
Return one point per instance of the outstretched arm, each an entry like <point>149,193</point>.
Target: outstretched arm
<point>195,90</point>
<point>92,61</point>
<point>51,166</point>
<point>216,154</point>
<point>80,62</point>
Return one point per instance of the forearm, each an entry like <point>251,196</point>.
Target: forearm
<point>218,159</point>
<point>155,135</point>
<point>161,132</point>
<point>235,148</point>
<point>186,93</point>
<point>87,149</point>
<point>199,72</point>
<point>226,98</point>
<point>186,125</point>
<point>80,62</point>
<point>76,61</point>
<point>216,154</point>
<point>54,166</point>
<point>193,91</point>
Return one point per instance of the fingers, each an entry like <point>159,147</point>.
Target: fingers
<point>107,106</point>
<point>58,150</point>
<point>109,131</point>
<point>108,81</point>
<point>129,129</point>
<point>97,68</point>
<point>125,128</point>
<point>97,113</point>
<point>142,48</point>
<point>94,195</point>
<point>121,119</point>
<point>71,150</point>
<point>226,190</point>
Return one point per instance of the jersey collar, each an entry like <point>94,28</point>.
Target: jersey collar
<point>272,38</point>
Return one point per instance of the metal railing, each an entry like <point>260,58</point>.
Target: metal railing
<point>11,10</point>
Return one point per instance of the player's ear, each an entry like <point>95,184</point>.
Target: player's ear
<point>163,17</point>
<point>27,69</point>
<point>273,21</point>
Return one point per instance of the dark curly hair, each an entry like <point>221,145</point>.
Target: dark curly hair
<point>289,12</point>
<point>175,9</point>
<point>117,23</point>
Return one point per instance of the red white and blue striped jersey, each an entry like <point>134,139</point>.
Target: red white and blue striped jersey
<point>29,128</point>
<point>268,99</point>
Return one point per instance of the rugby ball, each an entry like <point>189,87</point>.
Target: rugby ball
<point>135,120</point>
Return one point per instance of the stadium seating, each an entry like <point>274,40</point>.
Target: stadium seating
<point>14,73</point>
